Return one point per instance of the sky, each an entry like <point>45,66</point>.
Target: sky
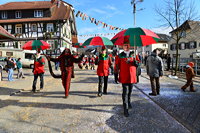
<point>118,13</point>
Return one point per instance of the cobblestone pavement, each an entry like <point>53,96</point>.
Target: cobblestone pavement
<point>83,111</point>
<point>183,106</point>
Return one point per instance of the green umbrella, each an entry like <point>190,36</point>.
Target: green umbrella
<point>97,41</point>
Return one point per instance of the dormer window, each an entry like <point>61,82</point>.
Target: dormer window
<point>18,14</point>
<point>38,13</point>
<point>4,15</point>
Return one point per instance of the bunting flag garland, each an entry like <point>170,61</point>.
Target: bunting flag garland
<point>84,16</point>
<point>100,34</point>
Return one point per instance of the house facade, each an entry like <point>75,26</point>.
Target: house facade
<point>189,42</point>
<point>52,21</point>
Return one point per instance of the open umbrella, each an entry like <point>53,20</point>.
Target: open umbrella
<point>136,37</point>
<point>4,34</point>
<point>36,45</point>
<point>78,45</point>
<point>97,41</point>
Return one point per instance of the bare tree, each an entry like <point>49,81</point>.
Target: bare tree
<point>174,14</point>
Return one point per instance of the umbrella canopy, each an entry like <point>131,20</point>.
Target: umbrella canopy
<point>97,41</point>
<point>36,45</point>
<point>78,45</point>
<point>4,34</point>
<point>136,37</point>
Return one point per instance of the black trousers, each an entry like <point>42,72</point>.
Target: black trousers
<point>116,77</point>
<point>126,94</point>
<point>41,75</point>
<point>103,80</point>
<point>155,85</point>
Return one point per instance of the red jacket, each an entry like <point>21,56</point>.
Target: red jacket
<point>103,65</point>
<point>39,66</point>
<point>127,70</point>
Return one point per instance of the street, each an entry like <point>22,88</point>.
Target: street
<point>83,111</point>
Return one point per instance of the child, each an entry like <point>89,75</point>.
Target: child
<point>189,75</point>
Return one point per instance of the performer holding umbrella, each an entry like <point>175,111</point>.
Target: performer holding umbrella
<point>39,61</point>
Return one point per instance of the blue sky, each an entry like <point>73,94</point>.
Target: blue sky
<point>117,13</point>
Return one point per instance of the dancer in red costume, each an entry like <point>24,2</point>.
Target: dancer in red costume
<point>67,61</point>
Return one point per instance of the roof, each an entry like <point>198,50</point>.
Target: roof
<point>4,34</point>
<point>26,5</point>
<point>188,24</point>
<point>163,37</point>
<point>57,13</point>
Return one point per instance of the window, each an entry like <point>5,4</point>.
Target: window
<point>9,53</point>
<point>173,47</point>
<point>50,27</point>
<point>33,27</point>
<point>192,45</point>
<point>4,15</point>
<point>18,28</point>
<point>199,44</point>
<point>164,45</point>
<point>29,56</point>
<point>182,46</point>
<point>182,34</point>
<point>18,14</point>
<point>38,13</point>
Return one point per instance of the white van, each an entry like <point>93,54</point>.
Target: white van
<point>25,55</point>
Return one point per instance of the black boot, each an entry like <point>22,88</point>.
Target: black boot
<point>126,114</point>
<point>129,106</point>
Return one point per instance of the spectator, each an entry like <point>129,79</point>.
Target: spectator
<point>1,70</point>
<point>19,68</point>
<point>10,68</point>
<point>154,66</point>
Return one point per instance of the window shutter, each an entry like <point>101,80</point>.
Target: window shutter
<point>195,44</point>
<point>180,46</point>
<point>187,46</point>
<point>54,27</point>
<point>171,46</point>
<point>13,29</point>
<point>23,28</point>
<point>44,27</point>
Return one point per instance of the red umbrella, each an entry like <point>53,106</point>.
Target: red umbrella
<point>136,37</point>
<point>36,45</point>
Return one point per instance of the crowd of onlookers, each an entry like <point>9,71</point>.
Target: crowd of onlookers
<point>11,65</point>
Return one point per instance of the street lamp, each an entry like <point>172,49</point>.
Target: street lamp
<point>134,3</point>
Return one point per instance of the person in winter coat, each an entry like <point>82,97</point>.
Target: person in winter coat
<point>67,61</point>
<point>19,68</point>
<point>1,70</point>
<point>154,66</point>
<point>126,66</point>
<point>103,71</point>
<point>38,71</point>
<point>10,68</point>
<point>189,76</point>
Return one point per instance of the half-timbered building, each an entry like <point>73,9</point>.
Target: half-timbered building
<point>52,21</point>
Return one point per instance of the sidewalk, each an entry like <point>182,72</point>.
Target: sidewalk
<point>183,106</point>
<point>83,111</point>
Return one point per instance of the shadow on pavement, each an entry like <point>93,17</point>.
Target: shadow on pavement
<point>89,107</point>
<point>144,117</point>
